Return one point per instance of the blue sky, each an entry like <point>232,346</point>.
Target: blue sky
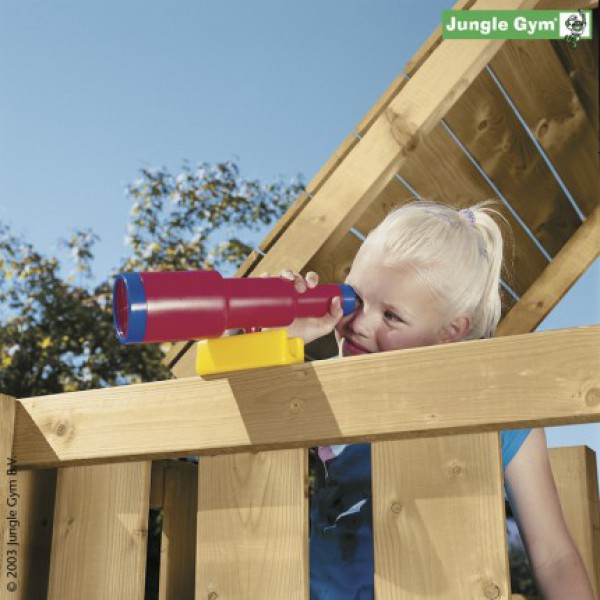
<point>93,91</point>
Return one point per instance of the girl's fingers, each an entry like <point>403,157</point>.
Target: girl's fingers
<point>299,282</point>
<point>312,279</point>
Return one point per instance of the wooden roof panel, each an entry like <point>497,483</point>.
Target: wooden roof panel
<point>537,84</point>
<point>489,129</point>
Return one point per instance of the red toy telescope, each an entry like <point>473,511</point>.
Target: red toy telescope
<point>185,305</point>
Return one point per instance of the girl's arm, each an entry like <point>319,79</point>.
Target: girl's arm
<point>557,567</point>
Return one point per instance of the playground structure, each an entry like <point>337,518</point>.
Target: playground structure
<point>89,464</point>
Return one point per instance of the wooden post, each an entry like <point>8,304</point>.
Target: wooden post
<point>100,532</point>
<point>253,526</point>
<point>438,518</point>
<point>576,478</point>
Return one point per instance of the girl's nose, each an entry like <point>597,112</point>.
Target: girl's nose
<point>361,322</point>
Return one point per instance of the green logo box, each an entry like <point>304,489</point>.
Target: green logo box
<point>516,24</point>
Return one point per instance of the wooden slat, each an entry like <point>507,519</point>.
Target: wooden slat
<point>535,81</point>
<point>411,393</point>
<point>581,66</point>
<point>428,494</point>
<point>487,126</point>
<point>178,545</point>
<point>253,527</point>
<point>36,491</point>
<point>393,195</point>
<point>100,533</point>
<point>576,478</point>
<point>157,483</point>
<point>556,280</point>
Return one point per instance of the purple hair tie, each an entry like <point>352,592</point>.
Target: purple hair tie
<point>467,214</point>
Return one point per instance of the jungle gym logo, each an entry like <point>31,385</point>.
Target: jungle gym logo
<point>571,26</point>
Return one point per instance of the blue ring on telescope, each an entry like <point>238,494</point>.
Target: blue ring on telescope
<point>348,298</point>
<point>137,308</point>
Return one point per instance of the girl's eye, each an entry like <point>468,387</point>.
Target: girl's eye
<point>392,317</point>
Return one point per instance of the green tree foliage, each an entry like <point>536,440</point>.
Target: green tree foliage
<point>56,330</point>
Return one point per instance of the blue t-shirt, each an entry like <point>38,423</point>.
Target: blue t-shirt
<point>341,531</point>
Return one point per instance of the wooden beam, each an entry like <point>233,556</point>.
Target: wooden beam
<point>556,279</point>
<point>466,387</point>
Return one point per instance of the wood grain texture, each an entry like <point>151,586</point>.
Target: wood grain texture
<point>546,98</point>
<point>581,66</point>
<point>253,527</point>
<point>438,518</point>
<point>487,126</point>
<point>556,280</point>
<point>178,542</point>
<point>36,491</point>
<point>452,388</point>
<point>575,474</point>
<point>100,532</point>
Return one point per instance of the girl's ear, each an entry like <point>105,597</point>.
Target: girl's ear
<point>455,331</point>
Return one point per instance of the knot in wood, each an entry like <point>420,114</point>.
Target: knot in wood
<point>61,429</point>
<point>592,398</point>
<point>482,125</point>
<point>295,405</point>
<point>491,591</point>
<point>213,596</point>
<point>404,132</point>
<point>455,469</point>
<point>396,508</point>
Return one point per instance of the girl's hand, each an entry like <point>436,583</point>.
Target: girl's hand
<point>311,328</point>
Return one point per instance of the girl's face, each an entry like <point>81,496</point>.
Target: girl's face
<point>395,309</point>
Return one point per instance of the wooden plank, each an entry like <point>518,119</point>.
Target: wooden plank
<point>367,169</point>
<point>36,491</point>
<point>575,474</point>
<point>567,4</point>
<point>393,195</point>
<point>581,66</point>
<point>427,494</point>
<point>100,534</point>
<point>556,280</point>
<point>178,544</point>
<point>535,81</point>
<point>411,393</point>
<point>439,170</point>
<point>487,126</point>
<point>157,483</point>
<point>253,528</point>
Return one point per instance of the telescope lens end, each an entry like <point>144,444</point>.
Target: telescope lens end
<point>129,308</point>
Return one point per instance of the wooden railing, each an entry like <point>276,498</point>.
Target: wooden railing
<point>236,524</point>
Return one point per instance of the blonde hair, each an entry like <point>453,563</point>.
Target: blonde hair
<point>458,253</point>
